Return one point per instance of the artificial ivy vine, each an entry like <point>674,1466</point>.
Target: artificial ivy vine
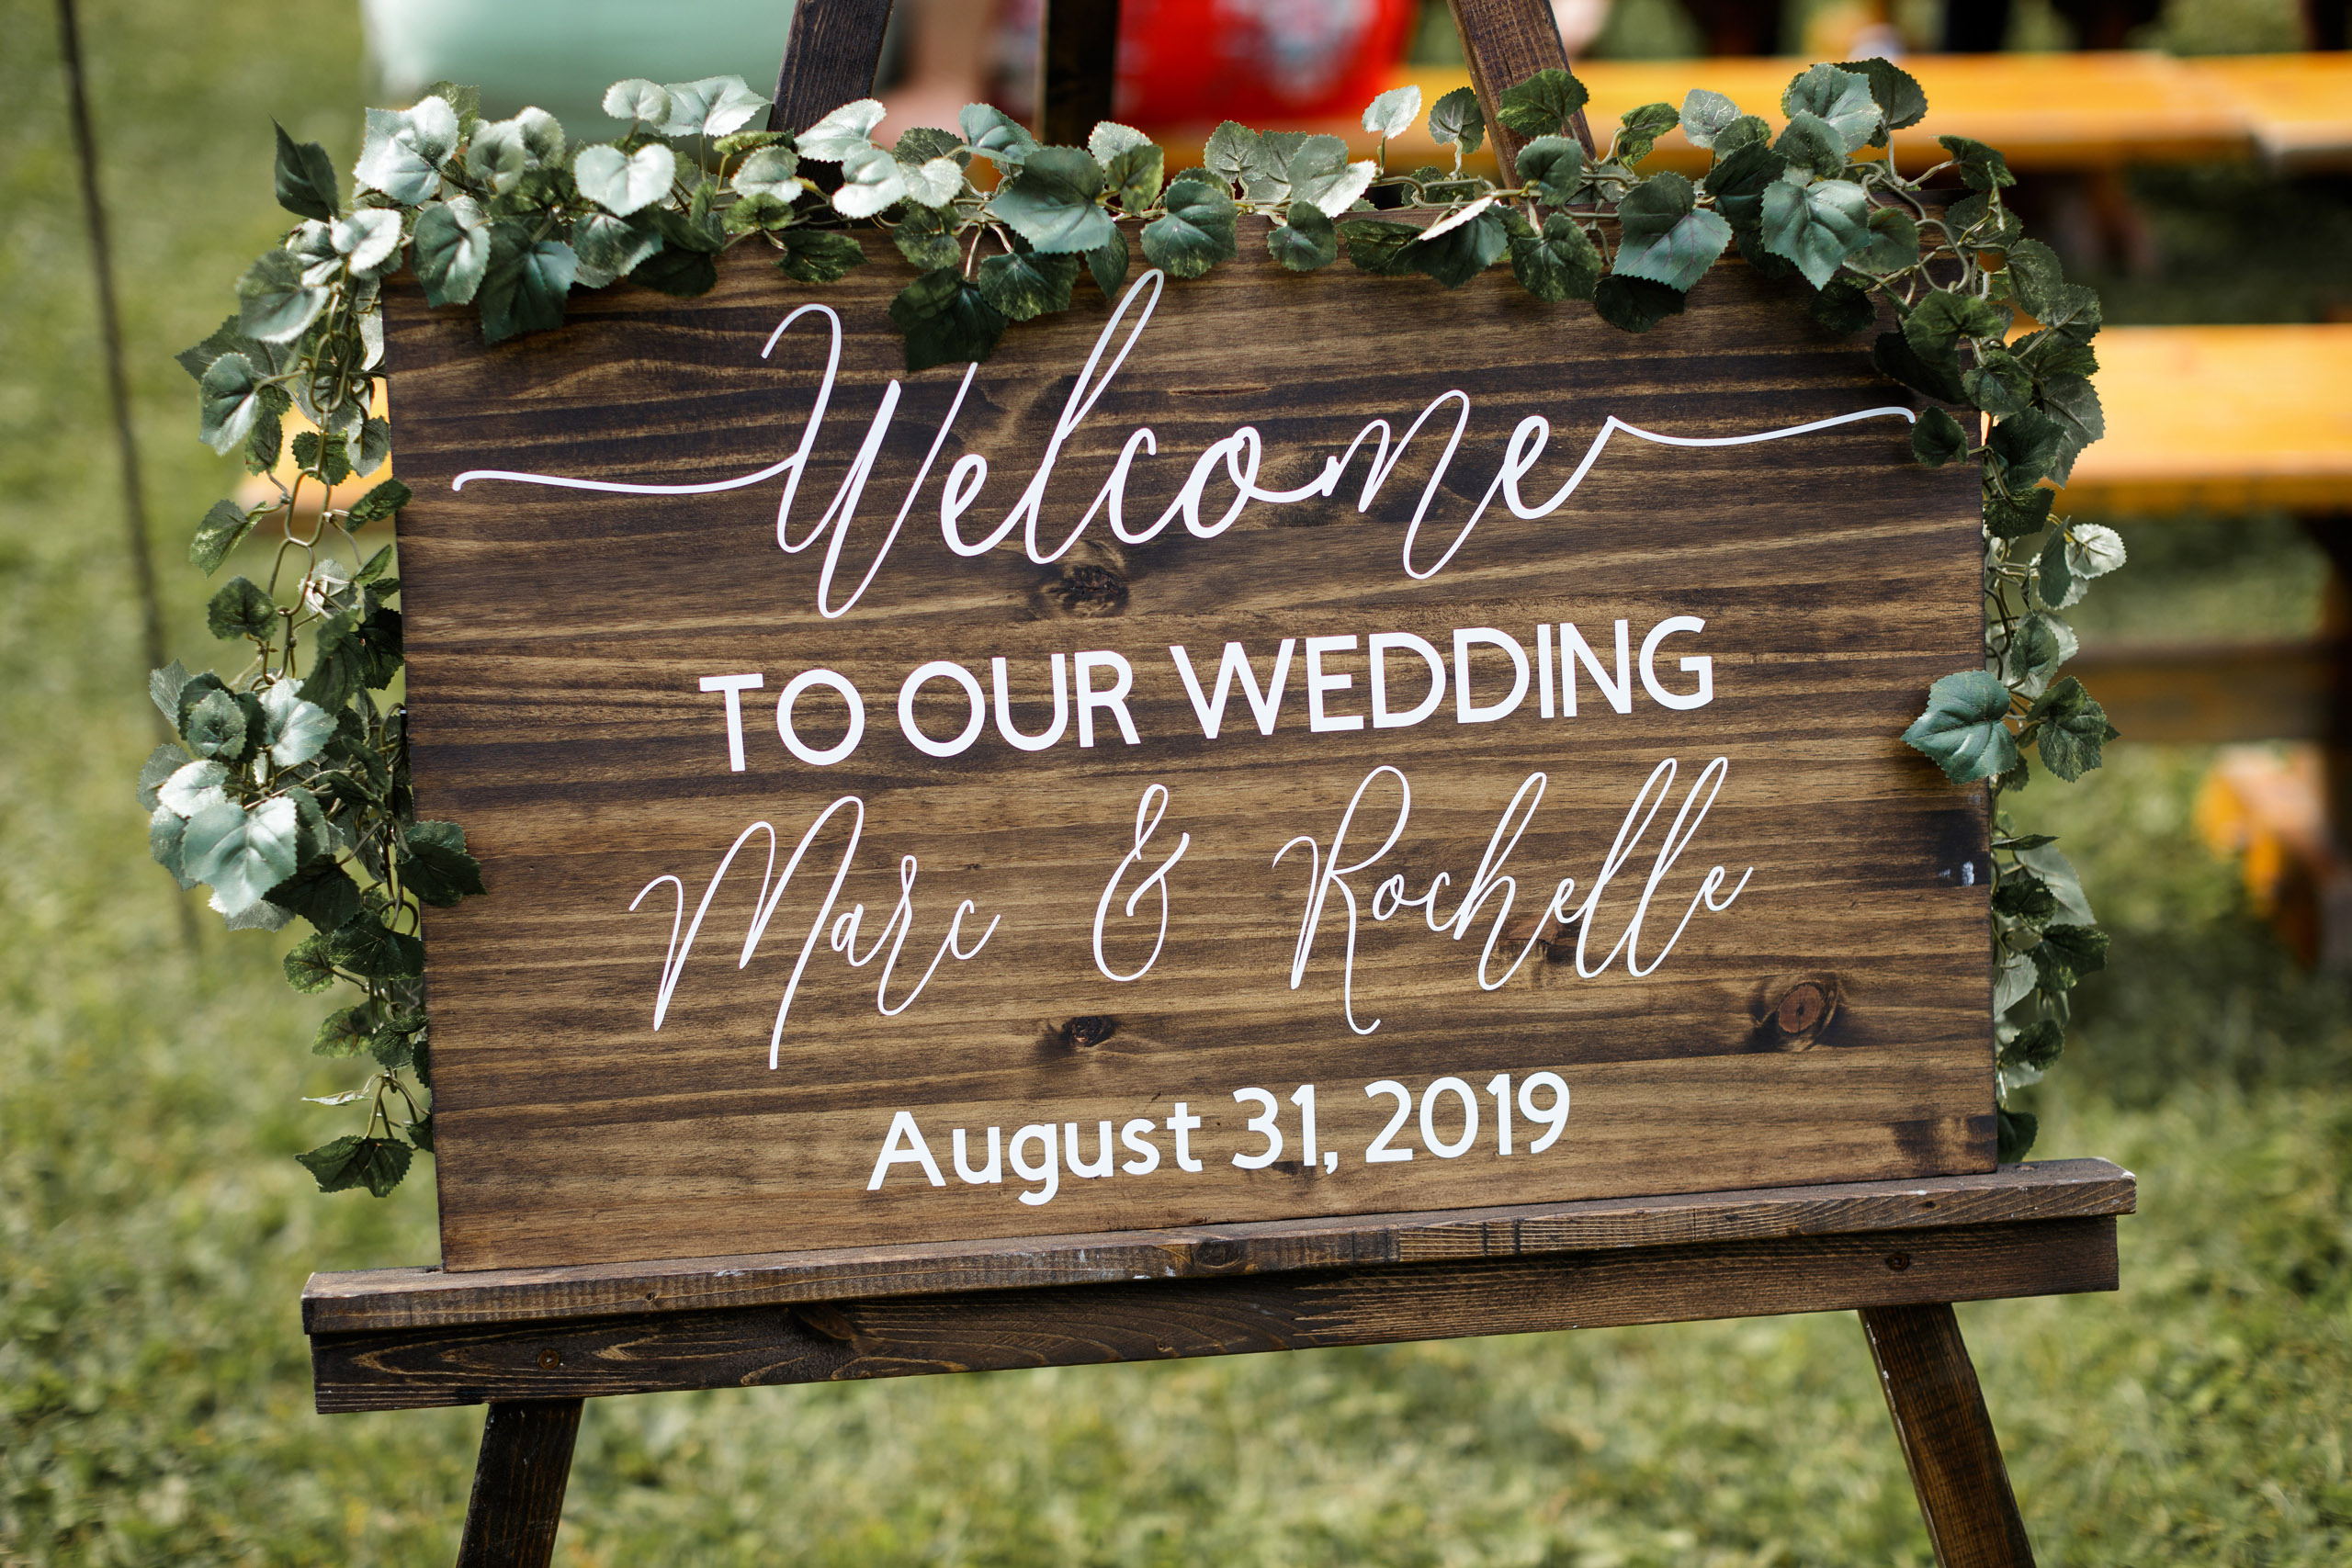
<point>289,789</point>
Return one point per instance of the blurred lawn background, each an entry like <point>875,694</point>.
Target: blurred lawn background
<point>154,1230</point>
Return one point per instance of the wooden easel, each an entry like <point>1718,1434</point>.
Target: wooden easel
<point>534,1343</point>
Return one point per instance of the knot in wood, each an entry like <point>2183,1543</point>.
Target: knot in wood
<point>1217,1253</point>
<point>1802,1010</point>
<point>1085,590</point>
<point>1090,1031</point>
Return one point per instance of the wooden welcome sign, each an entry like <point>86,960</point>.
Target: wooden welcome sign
<point>1273,746</point>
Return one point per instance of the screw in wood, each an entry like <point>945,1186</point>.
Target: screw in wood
<point>1898,1261</point>
<point>551,1358</point>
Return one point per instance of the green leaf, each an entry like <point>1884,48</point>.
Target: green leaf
<point>194,690</point>
<point>1941,318</point>
<point>156,771</point>
<point>945,321</point>
<point>1892,355</point>
<point>1194,233</point>
<point>870,180</point>
<point>611,246</point>
<point>1108,264</point>
<point>338,662</point>
<point>452,251</point>
<point>1739,180</point>
<point>1023,286</point>
<point>1748,130</point>
<point>1840,96</point>
<point>523,289</point>
<point>372,951</point>
<point>240,608</point>
<point>402,150</point>
<point>1961,730</point>
<point>2016,1130</point>
<point>1455,121</point>
<point>1236,154</point>
<point>2053,578</point>
<point>2025,444</point>
<point>322,892</point>
<point>1379,246</point>
<point>223,528</point>
<point>273,304</point>
<point>2016,519</point>
<point>996,135</point>
<point>817,255</point>
<point>2071,403</point>
<point>1980,167</point>
<point>306,181</point>
<point>1894,242</point>
<point>435,863</point>
<point>380,501</point>
<point>216,726</point>
<point>308,970</point>
<point>680,272</point>
<point>1998,384</point>
<point>1816,226</point>
<point>377,1163</point>
<point>2082,949</point>
<point>753,214</point>
<point>2036,1045</point>
<point>2038,284</point>
<point>1664,236</point>
<point>368,241</point>
<point>713,105</point>
<point>1812,144</point>
<point>165,830</point>
<point>1844,307</point>
<point>926,237</point>
<point>1453,251</point>
<point>1134,174</point>
<point>193,786</point>
<point>1937,439</point>
<point>1634,304</point>
<point>1560,263</point>
<point>1553,167</point>
<point>622,182</point>
<point>242,853</point>
<point>2073,729</point>
<point>1541,105</point>
<point>295,731</point>
<point>2024,896</point>
<point>1393,111</point>
<point>2093,549</point>
<point>775,171</point>
<point>636,100</point>
<point>1050,201</point>
<point>1901,102</point>
<point>1319,175</point>
<point>163,690</point>
<point>1638,130</point>
<point>1305,243</point>
<point>1706,114</point>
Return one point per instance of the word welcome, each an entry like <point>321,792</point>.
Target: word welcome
<point>1042,1152</point>
<point>1236,459</point>
<point>1491,673</point>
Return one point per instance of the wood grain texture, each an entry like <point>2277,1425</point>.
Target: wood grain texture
<point>519,1482</point>
<point>2204,693</point>
<point>1947,1437</point>
<point>1167,1319</point>
<point>1506,41</point>
<point>828,60</point>
<point>557,638</point>
<point>1078,59</point>
<point>365,1300</point>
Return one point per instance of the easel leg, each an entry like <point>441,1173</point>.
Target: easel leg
<point>518,1483</point>
<point>1946,1438</point>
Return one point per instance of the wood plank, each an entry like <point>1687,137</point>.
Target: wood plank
<point>1167,1319</point>
<point>1077,68</point>
<point>828,60</point>
<point>2220,418</point>
<point>375,1299</point>
<point>1947,1437</point>
<point>1506,42</point>
<point>519,1482</point>
<point>556,639</point>
<point>2208,693</point>
<point>2300,106</point>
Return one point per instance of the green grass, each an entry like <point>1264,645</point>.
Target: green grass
<point>153,1231</point>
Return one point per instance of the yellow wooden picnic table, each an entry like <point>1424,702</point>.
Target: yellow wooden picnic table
<point>2089,110</point>
<point>2220,418</point>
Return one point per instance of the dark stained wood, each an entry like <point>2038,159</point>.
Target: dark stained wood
<point>519,1484</point>
<point>373,1299</point>
<point>2207,692</point>
<point>1947,1437</point>
<point>1507,41</point>
<point>828,60</point>
<point>1077,53</point>
<point>1161,1319</point>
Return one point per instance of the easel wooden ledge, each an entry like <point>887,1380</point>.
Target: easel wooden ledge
<point>533,1343</point>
